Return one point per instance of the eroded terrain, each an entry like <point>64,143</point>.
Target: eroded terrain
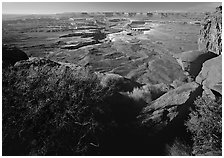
<point>137,46</point>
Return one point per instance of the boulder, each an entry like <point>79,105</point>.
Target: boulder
<point>191,61</point>
<point>161,68</point>
<point>210,37</point>
<point>211,75</point>
<point>171,108</point>
<point>10,55</point>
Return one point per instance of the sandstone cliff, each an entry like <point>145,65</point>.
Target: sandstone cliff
<point>211,33</point>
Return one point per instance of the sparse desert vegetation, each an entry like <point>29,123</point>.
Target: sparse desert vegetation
<point>205,124</point>
<point>51,112</point>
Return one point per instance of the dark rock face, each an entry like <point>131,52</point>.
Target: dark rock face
<point>211,75</point>
<point>211,33</point>
<point>192,61</point>
<point>10,55</point>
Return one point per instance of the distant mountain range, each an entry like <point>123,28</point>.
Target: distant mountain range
<point>204,7</point>
<point>197,8</point>
<point>21,16</point>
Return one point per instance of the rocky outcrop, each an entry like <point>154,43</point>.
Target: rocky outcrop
<point>171,107</point>
<point>164,118</point>
<point>10,55</point>
<point>161,68</point>
<point>211,76</point>
<point>211,33</point>
<point>191,61</point>
<point>203,64</point>
<point>210,39</point>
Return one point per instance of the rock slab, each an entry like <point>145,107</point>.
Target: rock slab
<point>172,105</point>
<point>211,75</point>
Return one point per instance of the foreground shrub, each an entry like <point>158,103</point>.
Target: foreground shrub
<point>140,94</point>
<point>178,148</point>
<point>52,111</point>
<point>205,124</point>
<point>148,92</point>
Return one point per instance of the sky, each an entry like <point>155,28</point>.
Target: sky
<point>61,7</point>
